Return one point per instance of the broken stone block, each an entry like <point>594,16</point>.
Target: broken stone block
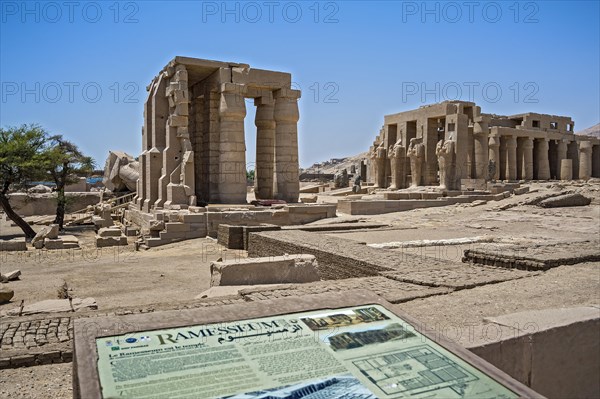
<point>53,232</point>
<point>565,200</point>
<point>157,225</point>
<point>109,232</point>
<point>39,189</point>
<point>14,275</point>
<point>62,242</point>
<point>16,244</point>
<point>6,294</point>
<point>102,242</point>
<point>266,270</point>
<point>69,241</point>
<point>50,231</point>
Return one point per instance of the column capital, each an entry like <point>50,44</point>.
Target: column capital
<point>585,145</point>
<point>511,141</point>
<point>494,141</point>
<point>232,104</point>
<point>265,98</point>
<point>527,142</point>
<point>290,94</point>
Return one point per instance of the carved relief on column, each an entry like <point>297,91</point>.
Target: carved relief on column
<point>265,146</point>
<point>543,160</point>
<point>528,158</point>
<point>511,158</point>
<point>416,153</point>
<point>397,155</point>
<point>445,151</point>
<point>177,181</point>
<point>585,160</point>
<point>232,146</point>
<point>494,157</point>
<point>286,117</point>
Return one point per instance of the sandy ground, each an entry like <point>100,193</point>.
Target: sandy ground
<point>179,272</point>
<point>52,381</point>
<point>114,276</point>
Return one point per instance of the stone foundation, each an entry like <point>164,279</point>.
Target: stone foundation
<point>268,270</point>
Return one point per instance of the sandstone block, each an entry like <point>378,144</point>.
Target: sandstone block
<point>69,241</point>
<point>231,237</point>
<point>267,270</point>
<point>521,190</point>
<point>16,244</point>
<point>309,200</point>
<point>176,227</point>
<point>55,243</point>
<point>193,218</point>
<point>565,200</point>
<point>109,232</point>
<point>50,231</point>
<point>6,294</point>
<point>14,275</point>
<point>102,242</point>
<point>157,225</point>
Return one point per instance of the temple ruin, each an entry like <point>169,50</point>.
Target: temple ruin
<point>445,143</point>
<point>193,141</point>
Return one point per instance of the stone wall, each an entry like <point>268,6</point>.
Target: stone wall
<point>45,204</point>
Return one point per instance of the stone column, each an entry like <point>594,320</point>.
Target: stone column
<point>265,146</point>
<point>511,158</point>
<point>561,150</point>
<point>502,160</point>
<point>494,154</point>
<point>520,154</point>
<point>153,159</point>
<point>461,146</point>
<point>481,149</point>
<point>596,161</point>
<point>286,145</point>
<point>146,146</point>
<point>566,169</point>
<point>543,160</point>
<point>585,160</point>
<point>528,159</point>
<point>380,159</point>
<point>232,147</point>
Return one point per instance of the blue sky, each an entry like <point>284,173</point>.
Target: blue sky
<point>81,68</point>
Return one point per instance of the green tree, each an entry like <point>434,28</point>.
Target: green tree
<point>20,149</point>
<point>250,175</point>
<point>63,161</point>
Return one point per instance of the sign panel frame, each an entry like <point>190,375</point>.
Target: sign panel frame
<point>95,339</point>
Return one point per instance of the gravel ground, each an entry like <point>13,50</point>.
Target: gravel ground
<point>51,381</point>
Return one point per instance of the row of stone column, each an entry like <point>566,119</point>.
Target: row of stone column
<point>516,156</point>
<point>277,167</point>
